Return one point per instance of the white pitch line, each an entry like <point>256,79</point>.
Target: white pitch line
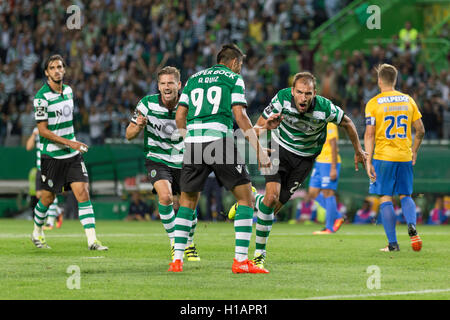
<point>125,235</point>
<point>398,293</point>
<point>80,235</point>
<point>351,234</point>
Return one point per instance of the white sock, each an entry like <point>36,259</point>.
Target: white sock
<point>37,232</point>
<point>51,220</point>
<point>91,235</point>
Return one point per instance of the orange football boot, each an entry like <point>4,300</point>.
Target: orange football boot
<point>176,266</point>
<point>246,266</point>
<point>337,224</point>
<point>59,221</point>
<point>324,231</point>
<point>416,243</point>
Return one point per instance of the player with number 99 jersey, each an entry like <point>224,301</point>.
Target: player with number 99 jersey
<point>210,95</point>
<point>210,101</point>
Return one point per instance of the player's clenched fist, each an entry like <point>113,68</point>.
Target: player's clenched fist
<point>141,121</point>
<point>273,121</point>
<point>79,146</point>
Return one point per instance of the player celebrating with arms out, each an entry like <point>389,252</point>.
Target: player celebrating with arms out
<point>163,151</point>
<point>389,118</point>
<point>300,137</point>
<point>62,165</point>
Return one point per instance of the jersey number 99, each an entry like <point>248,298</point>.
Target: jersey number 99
<point>213,95</point>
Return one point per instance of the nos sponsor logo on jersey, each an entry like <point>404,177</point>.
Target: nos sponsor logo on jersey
<point>156,126</point>
<point>65,111</point>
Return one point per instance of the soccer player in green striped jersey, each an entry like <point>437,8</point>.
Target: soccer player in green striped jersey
<point>300,137</point>
<point>62,165</point>
<point>205,117</point>
<point>32,143</point>
<point>53,211</point>
<point>163,149</point>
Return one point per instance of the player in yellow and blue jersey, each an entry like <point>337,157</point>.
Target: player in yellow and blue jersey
<point>324,180</point>
<point>389,118</point>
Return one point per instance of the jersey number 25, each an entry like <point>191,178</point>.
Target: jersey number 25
<point>396,122</point>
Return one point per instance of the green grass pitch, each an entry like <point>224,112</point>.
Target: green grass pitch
<point>302,265</point>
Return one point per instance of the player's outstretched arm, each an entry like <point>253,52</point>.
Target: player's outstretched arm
<point>270,123</point>
<point>46,133</point>
<point>420,133</point>
<point>369,145</point>
<point>180,120</point>
<point>31,141</point>
<point>360,155</point>
<point>334,157</point>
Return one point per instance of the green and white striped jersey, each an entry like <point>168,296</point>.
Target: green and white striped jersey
<point>38,146</point>
<point>57,110</point>
<point>302,134</point>
<point>162,142</point>
<point>209,95</point>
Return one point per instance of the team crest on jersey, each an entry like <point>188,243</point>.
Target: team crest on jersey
<point>153,173</point>
<point>292,120</point>
<point>50,183</point>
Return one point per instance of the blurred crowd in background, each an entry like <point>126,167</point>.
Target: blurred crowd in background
<point>113,58</point>
<point>437,212</point>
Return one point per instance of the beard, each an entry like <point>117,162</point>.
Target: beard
<point>171,99</point>
<point>170,95</point>
<point>56,81</point>
<point>305,106</point>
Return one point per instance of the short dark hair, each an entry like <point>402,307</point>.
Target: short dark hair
<point>304,75</point>
<point>53,58</point>
<point>229,52</point>
<point>170,70</point>
<point>387,73</point>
